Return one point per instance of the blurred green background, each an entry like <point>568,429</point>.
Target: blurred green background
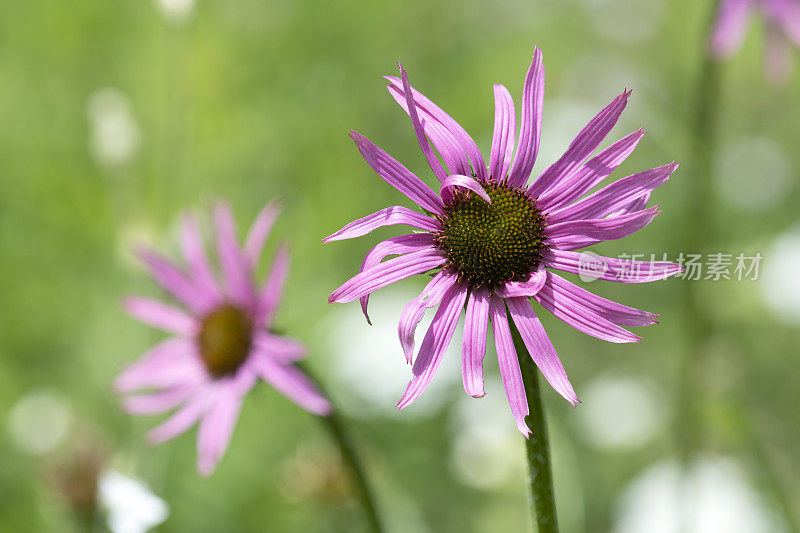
<point>116,115</point>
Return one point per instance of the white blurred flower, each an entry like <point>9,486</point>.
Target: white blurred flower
<point>369,365</point>
<point>175,11</point>
<point>780,280</point>
<point>752,174</point>
<point>712,497</point>
<point>113,132</point>
<point>131,506</point>
<point>621,412</point>
<point>486,444</point>
<point>39,421</point>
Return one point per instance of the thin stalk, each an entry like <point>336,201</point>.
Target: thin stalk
<point>537,446</point>
<point>350,457</point>
<point>698,236</point>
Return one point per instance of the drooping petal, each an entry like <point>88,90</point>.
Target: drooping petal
<point>619,314</point>
<point>730,27</point>
<point>465,182</point>
<point>614,197</point>
<point>539,347</point>
<point>429,111</point>
<point>169,363</point>
<point>174,281</point>
<point>510,372</point>
<point>158,402</point>
<point>527,288</point>
<point>411,106</point>
<point>505,125</point>
<point>575,234</point>
<point>435,343</point>
<point>385,217</point>
<point>387,273</point>
<point>577,315</point>
<point>216,429</point>
<point>530,122</point>
<point>398,176</point>
<point>236,270</point>
<point>591,174</point>
<point>777,56</point>
<point>401,244</point>
<point>259,231</point>
<point>610,268</point>
<point>272,290</point>
<point>415,309</point>
<point>295,385</point>
<point>474,345</point>
<point>785,16</point>
<point>160,315</point>
<point>282,349</point>
<point>581,147</point>
<point>194,253</point>
<point>181,420</point>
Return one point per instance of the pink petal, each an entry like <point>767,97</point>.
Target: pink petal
<point>295,385</point>
<point>531,122</point>
<point>524,288</point>
<point>509,365</point>
<point>435,343</point>
<point>612,198</point>
<point>159,402</point>
<point>194,253</point>
<point>619,314</point>
<point>580,148</point>
<point>272,290</point>
<point>465,182</point>
<point>591,174</point>
<point>282,349</point>
<point>402,244</point>
<point>577,315</point>
<point>168,363</point>
<point>411,106</point>
<point>385,217</point>
<point>575,234</point>
<point>540,348</point>
<point>216,430</point>
<point>474,345</point>
<point>237,271</point>
<point>387,273</point>
<point>428,109</point>
<point>160,315</point>
<point>413,312</point>
<point>730,27</point>
<point>182,420</point>
<point>609,268</point>
<point>398,176</point>
<point>505,124</point>
<point>173,280</point>
<point>259,232</point>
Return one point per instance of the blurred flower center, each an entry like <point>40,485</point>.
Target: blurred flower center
<point>225,339</point>
<point>490,244</point>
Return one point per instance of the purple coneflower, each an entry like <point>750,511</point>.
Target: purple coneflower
<point>222,342</point>
<point>782,21</point>
<point>497,240</point>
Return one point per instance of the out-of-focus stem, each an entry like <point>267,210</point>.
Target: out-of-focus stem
<point>537,446</point>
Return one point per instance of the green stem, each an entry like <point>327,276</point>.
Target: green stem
<point>698,236</point>
<point>350,457</point>
<point>537,446</point>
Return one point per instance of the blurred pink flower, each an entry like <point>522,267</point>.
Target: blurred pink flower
<point>497,239</point>
<point>782,21</point>
<point>222,342</point>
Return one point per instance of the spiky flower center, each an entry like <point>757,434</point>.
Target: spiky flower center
<point>490,244</point>
<point>224,339</point>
